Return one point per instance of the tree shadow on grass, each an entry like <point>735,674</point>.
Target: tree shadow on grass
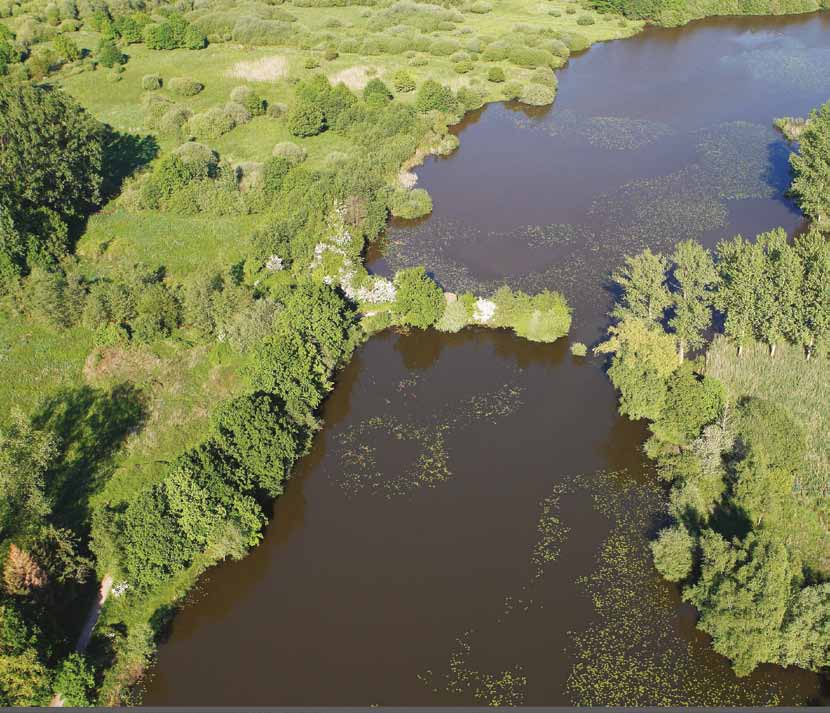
<point>91,424</point>
<point>124,154</point>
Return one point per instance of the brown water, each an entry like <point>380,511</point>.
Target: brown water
<point>471,525</point>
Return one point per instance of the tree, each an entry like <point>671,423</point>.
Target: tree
<point>778,289</point>
<point>75,681</point>
<point>433,96</point>
<point>24,680</point>
<point>25,455</point>
<point>67,50</point>
<point>257,432</point>
<point>673,552</point>
<point>644,358</point>
<point>419,302</point>
<point>376,91</point>
<point>306,119</point>
<point>21,573</point>
<point>814,253</point>
<point>108,55</point>
<point>158,313</point>
<point>644,292</point>
<point>692,279</point>
<point>50,165</point>
<point>805,640</point>
<point>692,402</point>
<point>742,597</point>
<point>740,265</point>
<point>811,166</point>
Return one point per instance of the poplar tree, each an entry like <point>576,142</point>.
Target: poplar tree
<point>814,253</point>
<point>811,166</point>
<point>643,282</point>
<point>739,268</point>
<point>692,280</point>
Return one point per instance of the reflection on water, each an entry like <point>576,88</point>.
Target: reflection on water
<point>471,525</point>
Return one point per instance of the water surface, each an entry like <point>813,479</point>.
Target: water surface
<point>472,523</point>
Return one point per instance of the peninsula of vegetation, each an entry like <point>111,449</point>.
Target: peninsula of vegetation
<point>187,192</point>
<point>740,431</point>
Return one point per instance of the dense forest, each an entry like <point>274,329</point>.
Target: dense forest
<point>739,430</point>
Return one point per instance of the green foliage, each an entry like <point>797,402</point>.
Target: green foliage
<point>419,302</point>
<point>376,91</point>
<point>692,402</point>
<point>151,82</point>
<point>742,596</point>
<point>108,55</point>
<point>811,166</point>
<point>305,119</point>
<point>403,81</point>
<point>185,87</point>
<point>457,315</point>
<point>50,172</point>
<point>433,96</point>
<point>544,317</point>
<point>75,681</point>
<point>673,552</point>
<point>173,33</point>
<point>254,104</point>
<point>495,74</point>
<point>410,204</point>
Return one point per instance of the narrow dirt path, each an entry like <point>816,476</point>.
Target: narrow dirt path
<point>89,626</point>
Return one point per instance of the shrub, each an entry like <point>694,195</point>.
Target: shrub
<point>311,62</point>
<point>433,96</point>
<point>306,119</point>
<point>248,98</point>
<point>544,317</point>
<point>419,302</point>
<point>66,49</point>
<point>173,120</point>
<point>376,91</point>
<point>512,90</point>
<point>463,67</point>
<point>108,55</point>
<point>151,82</point>
<point>185,87</point>
<point>211,124</point>
<point>585,20</point>
<point>256,31</point>
<point>456,316</point>
<point>410,204</point>
<point>238,113</point>
<point>330,54</point>
<point>291,152</point>
<point>575,41</point>
<point>403,81</point>
<point>495,74</point>
<point>175,32</point>
<point>537,95</point>
<point>481,7</point>
<point>579,349</point>
<point>531,57</point>
<point>544,76</point>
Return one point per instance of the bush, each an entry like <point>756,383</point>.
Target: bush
<point>211,124</point>
<point>330,54</point>
<point>433,96</point>
<point>537,95</point>
<point>376,91</point>
<point>311,62</point>
<point>306,119</point>
<point>238,113</point>
<point>410,204</point>
<point>419,302</point>
<point>184,86</point>
<point>175,32</point>
<point>66,49</point>
<point>248,98</point>
<point>544,317</point>
<point>481,7</point>
<point>293,153</point>
<point>456,316</point>
<point>403,81</point>
<point>579,349</point>
<point>151,82</point>
<point>463,67</point>
<point>108,55</point>
<point>585,20</point>
<point>495,74</point>
<point>173,120</point>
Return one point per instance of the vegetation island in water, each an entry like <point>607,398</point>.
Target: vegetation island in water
<point>187,193</point>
